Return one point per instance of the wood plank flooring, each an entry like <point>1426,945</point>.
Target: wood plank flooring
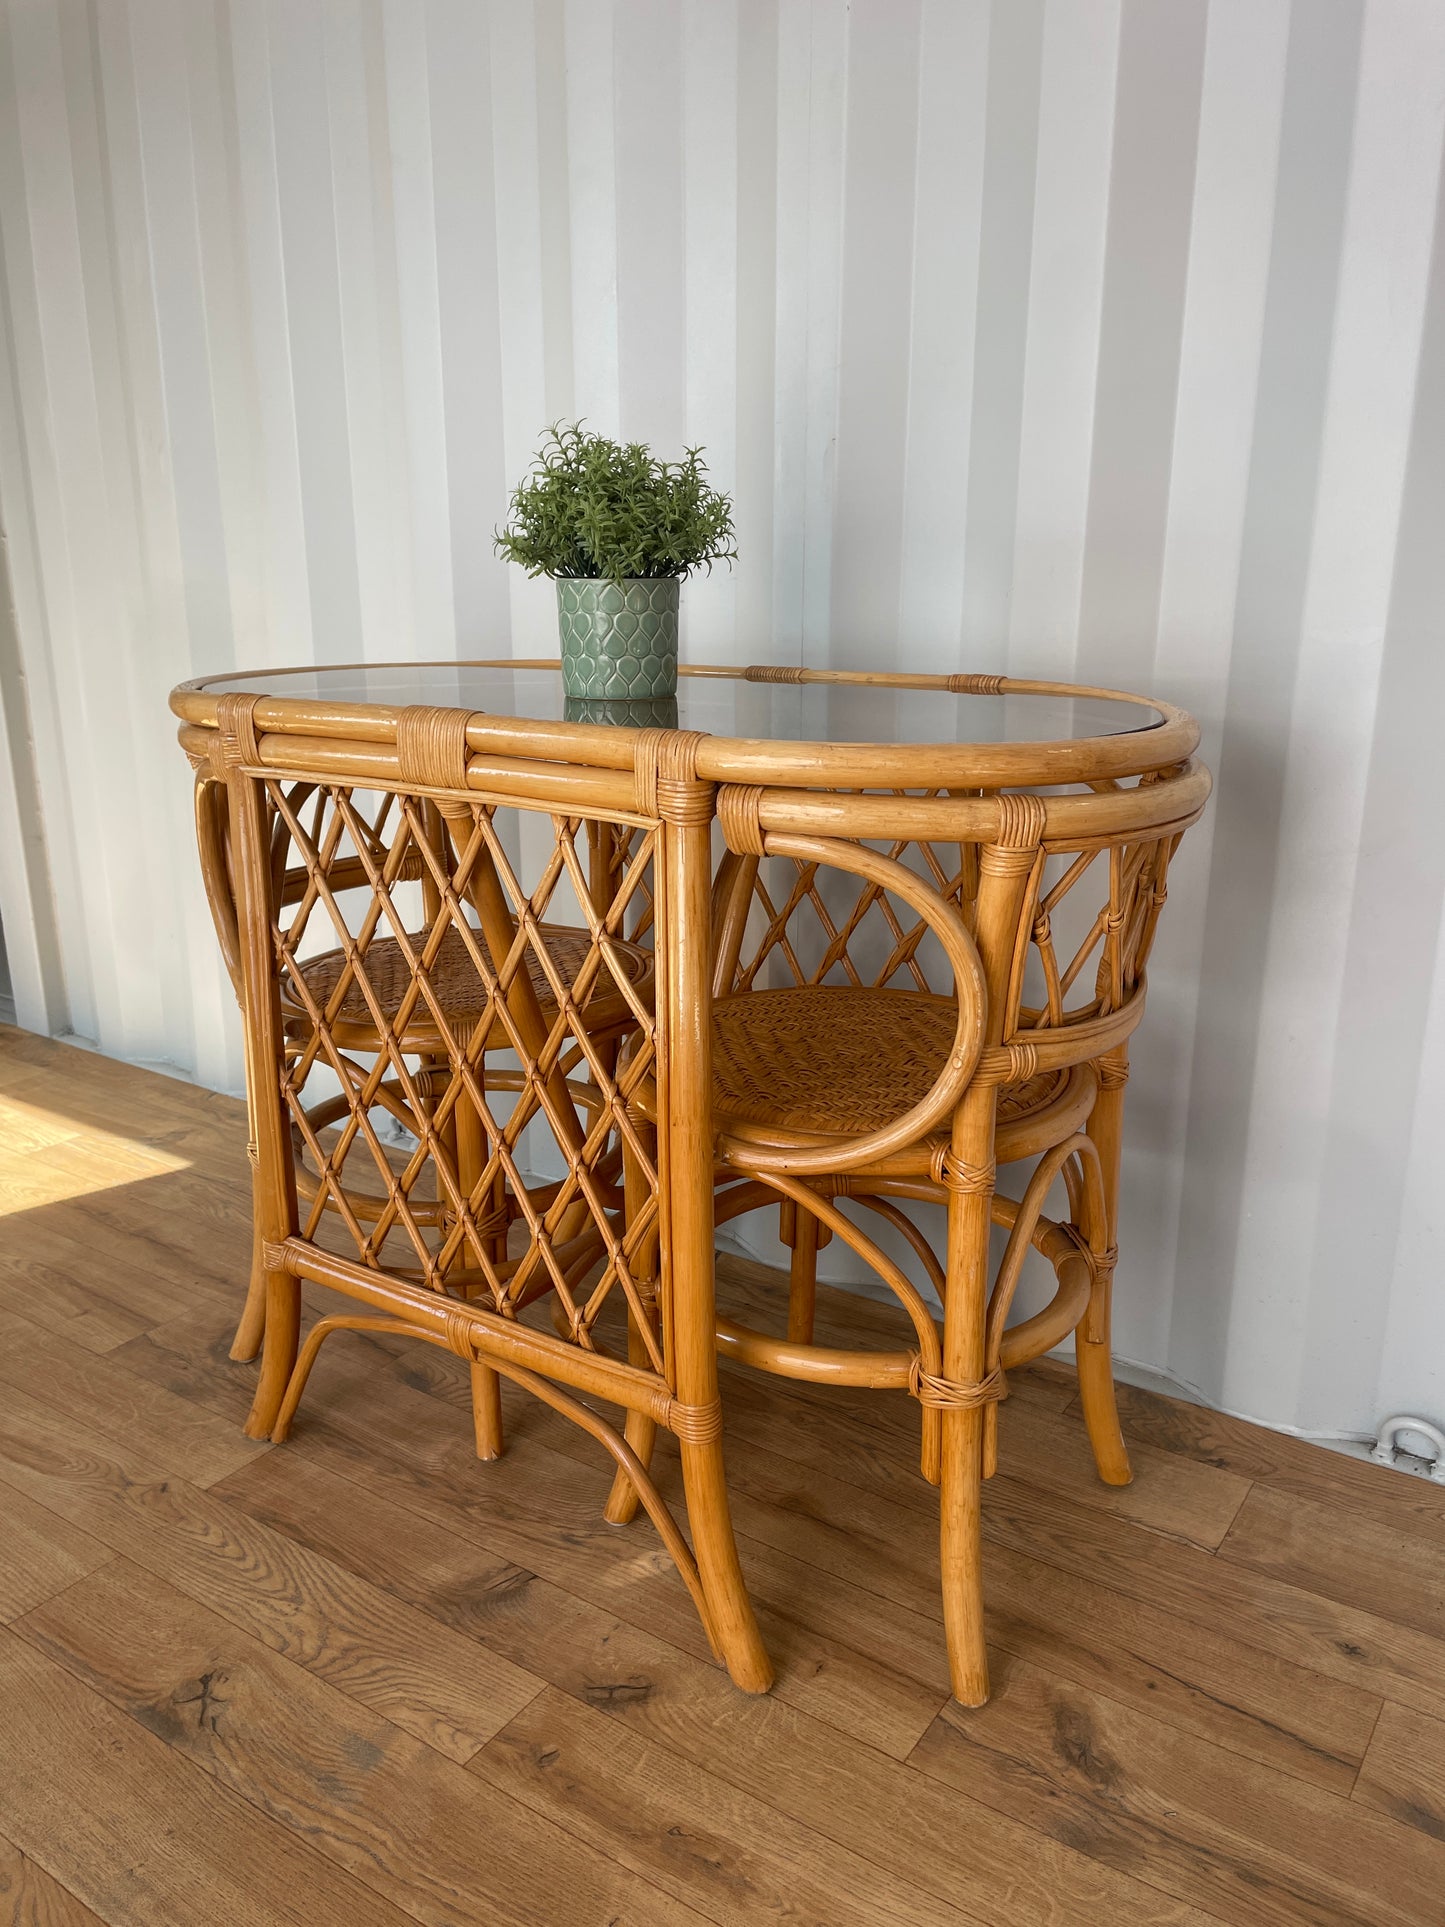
<point>363,1678</point>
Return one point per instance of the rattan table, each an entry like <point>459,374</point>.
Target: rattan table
<point>536,995</point>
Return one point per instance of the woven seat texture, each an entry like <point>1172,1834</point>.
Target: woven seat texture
<point>458,987</point>
<point>840,1058</point>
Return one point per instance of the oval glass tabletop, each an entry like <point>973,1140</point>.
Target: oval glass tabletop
<point>722,702</point>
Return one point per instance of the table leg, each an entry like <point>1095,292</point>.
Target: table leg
<point>278,1356</point>
<point>252,1328</point>
<point>273,1176</point>
<point>1092,1349</point>
<point>685,932</point>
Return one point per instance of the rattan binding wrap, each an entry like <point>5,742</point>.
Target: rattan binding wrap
<point>431,747</point>
<point>236,730</point>
<point>948,1395</point>
<point>666,776</point>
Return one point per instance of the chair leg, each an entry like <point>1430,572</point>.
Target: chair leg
<point>252,1328</point>
<point>1092,1337</point>
<point>961,1555</point>
<point>640,1432</point>
<point>960,1490</point>
<point>486,1384</point>
<point>487,1411</point>
<point>1096,1396</point>
<point>802,1276</point>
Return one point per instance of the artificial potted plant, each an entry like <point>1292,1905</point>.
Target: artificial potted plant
<point>617,529</point>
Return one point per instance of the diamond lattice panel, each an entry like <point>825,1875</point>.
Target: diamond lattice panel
<point>504,1005</point>
<point>1092,926</point>
<point>1093,923</point>
<point>811,925</point>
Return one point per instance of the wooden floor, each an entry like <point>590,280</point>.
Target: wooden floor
<point>361,1678</point>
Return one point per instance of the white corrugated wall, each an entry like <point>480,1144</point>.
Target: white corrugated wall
<point>1059,336</point>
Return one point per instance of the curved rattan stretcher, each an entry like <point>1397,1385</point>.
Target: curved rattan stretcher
<point>802,1045</point>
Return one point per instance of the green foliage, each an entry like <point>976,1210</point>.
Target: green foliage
<point>592,507</point>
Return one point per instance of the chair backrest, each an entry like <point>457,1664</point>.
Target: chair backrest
<point>1070,958</point>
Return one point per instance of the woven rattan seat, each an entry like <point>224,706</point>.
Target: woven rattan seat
<point>827,1058</point>
<point>844,1059</point>
<point>459,988</point>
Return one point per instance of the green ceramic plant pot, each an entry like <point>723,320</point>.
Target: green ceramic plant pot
<point>622,712</point>
<point>619,639</point>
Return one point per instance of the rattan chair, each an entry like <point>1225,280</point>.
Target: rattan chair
<point>325,994</point>
<point>881,1094</point>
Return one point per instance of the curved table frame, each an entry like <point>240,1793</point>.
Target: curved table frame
<point>1014,806</point>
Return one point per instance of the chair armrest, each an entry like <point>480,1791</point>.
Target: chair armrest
<point>945,921</point>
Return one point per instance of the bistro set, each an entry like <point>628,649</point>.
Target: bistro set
<point>539,994</point>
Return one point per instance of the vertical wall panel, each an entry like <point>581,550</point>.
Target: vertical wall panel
<point>592,184</point>
<point>881,149</point>
<point>37,854</point>
<point>370,324</point>
<point>801,405</point>
<point>709,106</point>
<point>947,211</point>
<point>1087,337</point>
<point>1215,1291</point>
<point>1232,224</point>
<point>1079,65</point>
<point>1369,405</point>
<point>524,312</point>
<point>464,198</point>
<point>64,466</point>
<point>768,256</point>
<point>651,300</point>
<point>1151,192</point>
<point>1010,167</point>
<point>1383,1115</point>
<point>407,132</point>
<point>264,377</point>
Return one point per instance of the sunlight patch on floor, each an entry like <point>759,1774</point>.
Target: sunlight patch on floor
<point>41,1161</point>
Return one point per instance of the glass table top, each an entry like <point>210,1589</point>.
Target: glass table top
<point>722,703</point>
